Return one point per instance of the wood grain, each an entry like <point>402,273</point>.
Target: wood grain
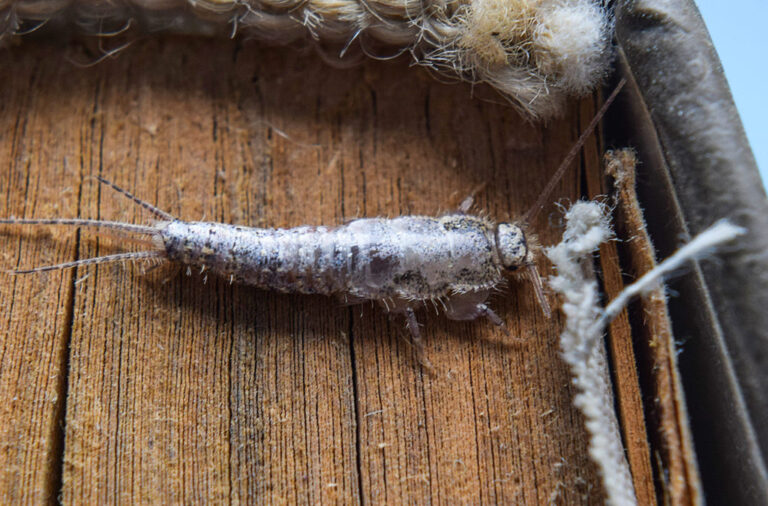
<point>680,480</point>
<point>620,344</point>
<point>123,387</point>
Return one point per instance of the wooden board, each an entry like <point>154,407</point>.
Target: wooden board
<point>120,386</point>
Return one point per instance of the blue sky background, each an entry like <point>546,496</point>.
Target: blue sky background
<point>740,33</point>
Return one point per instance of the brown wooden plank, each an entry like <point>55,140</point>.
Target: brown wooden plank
<point>36,134</point>
<point>624,363</point>
<point>187,391</point>
<point>681,483</point>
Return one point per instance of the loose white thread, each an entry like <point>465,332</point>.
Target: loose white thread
<point>535,52</point>
<point>721,232</point>
<point>587,227</point>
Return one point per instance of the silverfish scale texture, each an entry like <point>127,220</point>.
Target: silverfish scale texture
<point>407,258</point>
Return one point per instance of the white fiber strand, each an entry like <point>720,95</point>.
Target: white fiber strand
<point>535,52</point>
<point>587,227</point>
<point>721,232</point>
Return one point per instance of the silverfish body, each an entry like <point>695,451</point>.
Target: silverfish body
<point>454,261</point>
<point>410,258</point>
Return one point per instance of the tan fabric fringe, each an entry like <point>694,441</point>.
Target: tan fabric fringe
<point>535,52</point>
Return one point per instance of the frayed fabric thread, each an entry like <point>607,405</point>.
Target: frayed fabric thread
<point>721,232</point>
<point>587,227</point>
<point>535,52</point>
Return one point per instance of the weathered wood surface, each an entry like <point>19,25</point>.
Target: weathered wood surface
<point>120,386</point>
<point>629,401</point>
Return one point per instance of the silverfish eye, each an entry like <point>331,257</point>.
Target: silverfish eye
<point>511,245</point>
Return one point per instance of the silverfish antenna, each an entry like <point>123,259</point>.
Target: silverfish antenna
<point>544,195</point>
<point>532,271</point>
<point>538,290</point>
